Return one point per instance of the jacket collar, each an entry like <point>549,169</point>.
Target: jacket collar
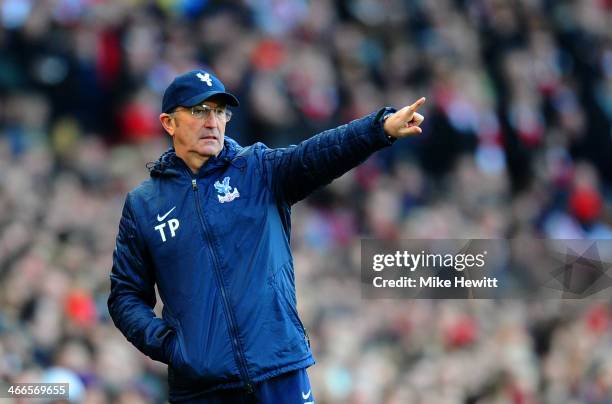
<point>169,164</point>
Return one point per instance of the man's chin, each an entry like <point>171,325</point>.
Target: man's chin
<point>208,150</point>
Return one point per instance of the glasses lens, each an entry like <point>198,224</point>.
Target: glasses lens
<point>199,111</point>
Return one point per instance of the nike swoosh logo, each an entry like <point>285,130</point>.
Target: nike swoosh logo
<point>160,218</point>
<point>307,395</point>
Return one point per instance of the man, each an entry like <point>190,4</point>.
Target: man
<point>211,229</point>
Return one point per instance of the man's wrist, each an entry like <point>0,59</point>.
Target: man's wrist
<point>383,119</point>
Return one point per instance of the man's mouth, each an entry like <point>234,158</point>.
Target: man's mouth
<point>208,137</point>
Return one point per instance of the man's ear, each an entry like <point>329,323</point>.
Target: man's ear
<point>168,123</point>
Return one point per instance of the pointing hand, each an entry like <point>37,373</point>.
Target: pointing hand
<point>406,121</point>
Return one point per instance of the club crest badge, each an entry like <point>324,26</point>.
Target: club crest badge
<point>225,192</point>
<point>205,78</point>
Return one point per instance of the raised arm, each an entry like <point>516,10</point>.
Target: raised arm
<point>132,296</point>
<point>296,171</point>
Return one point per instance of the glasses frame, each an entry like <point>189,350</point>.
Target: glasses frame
<point>204,112</point>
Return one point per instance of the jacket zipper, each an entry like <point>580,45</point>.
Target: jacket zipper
<point>231,321</point>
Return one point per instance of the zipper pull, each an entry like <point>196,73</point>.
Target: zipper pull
<point>194,185</point>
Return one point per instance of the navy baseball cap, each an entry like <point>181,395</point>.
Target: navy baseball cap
<point>193,88</point>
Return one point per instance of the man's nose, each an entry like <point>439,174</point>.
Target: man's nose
<point>210,120</point>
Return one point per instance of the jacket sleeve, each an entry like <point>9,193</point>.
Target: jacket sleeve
<point>296,171</point>
<point>132,295</point>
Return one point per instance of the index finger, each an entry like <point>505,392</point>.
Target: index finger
<point>417,104</point>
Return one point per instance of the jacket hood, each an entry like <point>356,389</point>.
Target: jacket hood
<point>169,164</point>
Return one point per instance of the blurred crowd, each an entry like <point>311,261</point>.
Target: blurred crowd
<point>517,142</point>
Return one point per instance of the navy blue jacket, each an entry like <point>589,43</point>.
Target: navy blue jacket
<point>216,243</point>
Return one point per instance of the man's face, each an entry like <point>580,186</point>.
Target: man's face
<point>200,135</point>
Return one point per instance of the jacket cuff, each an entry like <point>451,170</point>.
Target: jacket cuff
<point>379,127</point>
<point>169,339</point>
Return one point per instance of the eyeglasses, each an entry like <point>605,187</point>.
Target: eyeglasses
<point>204,112</point>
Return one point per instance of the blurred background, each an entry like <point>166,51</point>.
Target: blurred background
<point>517,143</point>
